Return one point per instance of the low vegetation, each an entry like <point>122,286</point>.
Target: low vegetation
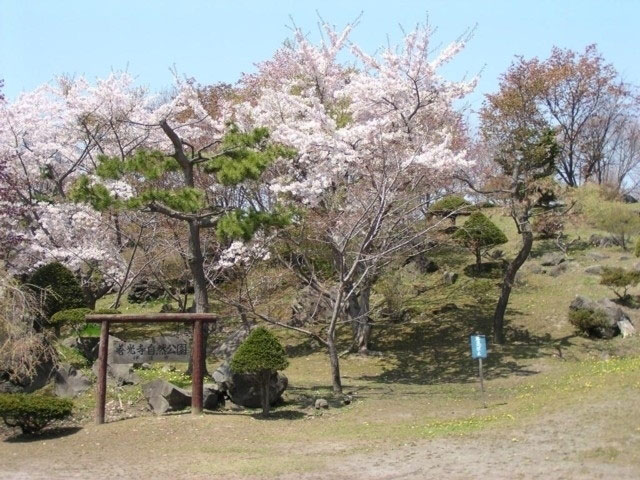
<point>31,413</point>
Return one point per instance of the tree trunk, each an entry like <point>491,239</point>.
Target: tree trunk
<point>359,309</point>
<point>478,260</point>
<point>266,379</point>
<point>336,383</point>
<point>509,277</point>
<point>201,296</point>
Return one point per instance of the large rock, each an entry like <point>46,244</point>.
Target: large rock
<point>307,307</point>
<point>145,290</point>
<point>69,382</point>
<point>552,259</point>
<point>212,397</point>
<point>88,347</point>
<point>42,375</point>
<point>617,321</point>
<point>227,348</point>
<point>118,373</point>
<point>244,389</point>
<point>163,396</point>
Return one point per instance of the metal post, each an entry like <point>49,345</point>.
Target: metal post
<point>103,350</point>
<point>198,361</point>
<point>484,402</point>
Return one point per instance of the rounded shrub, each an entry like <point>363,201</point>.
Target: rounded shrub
<point>260,354</point>
<point>74,317</point>
<point>480,234</point>
<point>450,206</point>
<point>58,288</point>
<point>588,322</point>
<point>32,412</point>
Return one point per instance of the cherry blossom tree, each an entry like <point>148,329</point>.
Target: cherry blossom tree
<point>374,136</point>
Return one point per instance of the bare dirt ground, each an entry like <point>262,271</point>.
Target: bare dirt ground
<point>596,438</point>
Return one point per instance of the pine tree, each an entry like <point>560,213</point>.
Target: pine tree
<point>480,234</point>
<point>260,354</point>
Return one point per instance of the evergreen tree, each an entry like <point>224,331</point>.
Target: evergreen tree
<point>57,288</point>
<point>450,206</point>
<point>480,234</point>
<point>260,354</point>
<point>177,185</point>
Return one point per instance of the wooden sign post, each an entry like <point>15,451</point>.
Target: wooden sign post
<point>197,320</point>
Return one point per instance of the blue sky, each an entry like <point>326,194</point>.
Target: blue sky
<point>218,40</point>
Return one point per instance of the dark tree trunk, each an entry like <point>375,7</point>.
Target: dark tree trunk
<point>335,363</point>
<point>359,309</point>
<point>266,379</point>
<point>478,260</point>
<point>509,277</point>
<point>201,296</point>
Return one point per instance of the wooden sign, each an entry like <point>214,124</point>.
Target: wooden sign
<point>156,349</point>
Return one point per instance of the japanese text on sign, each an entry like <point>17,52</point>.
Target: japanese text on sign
<point>157,349</point>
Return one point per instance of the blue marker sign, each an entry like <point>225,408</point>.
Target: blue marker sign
<point>478,346</point>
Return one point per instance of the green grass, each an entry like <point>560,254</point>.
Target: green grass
<point>422,384</point>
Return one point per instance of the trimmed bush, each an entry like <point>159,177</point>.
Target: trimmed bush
<point>73,317</point>
<point>260,354</point>
<point>619,280</point>
<point>588,322</point>
<point>480,234</point>
<point>450,206</point>
<point>58,288</point>
<point>32,412</point>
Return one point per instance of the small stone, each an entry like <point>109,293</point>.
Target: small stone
<point>347,399</point>
<point>552,259</point>
<point>594,270</point>
<point>169,368</point>
<point>450,277</point>
<point>558,270</point>
<point>321,403</point>
<point>145,366</point>
<point>597,256</point>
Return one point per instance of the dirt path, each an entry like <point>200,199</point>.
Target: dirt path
<point>581,442</point>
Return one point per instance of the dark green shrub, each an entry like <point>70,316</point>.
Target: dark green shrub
<point>74,318</point>
<point>450,206</point>
<point>260,354</point>
<point>93,329</point>
<point>619,280</point>
<point>32,412</point>
<point>58,289</point>
<point>479,234</point>
<point>586,321</point>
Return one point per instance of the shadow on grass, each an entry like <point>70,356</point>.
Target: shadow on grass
<point>438,351</point>
<point>280,415</point>
<point>541,247</point>
<point>491,270</point>
<point>302,349</point>
<point>47,434</point>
